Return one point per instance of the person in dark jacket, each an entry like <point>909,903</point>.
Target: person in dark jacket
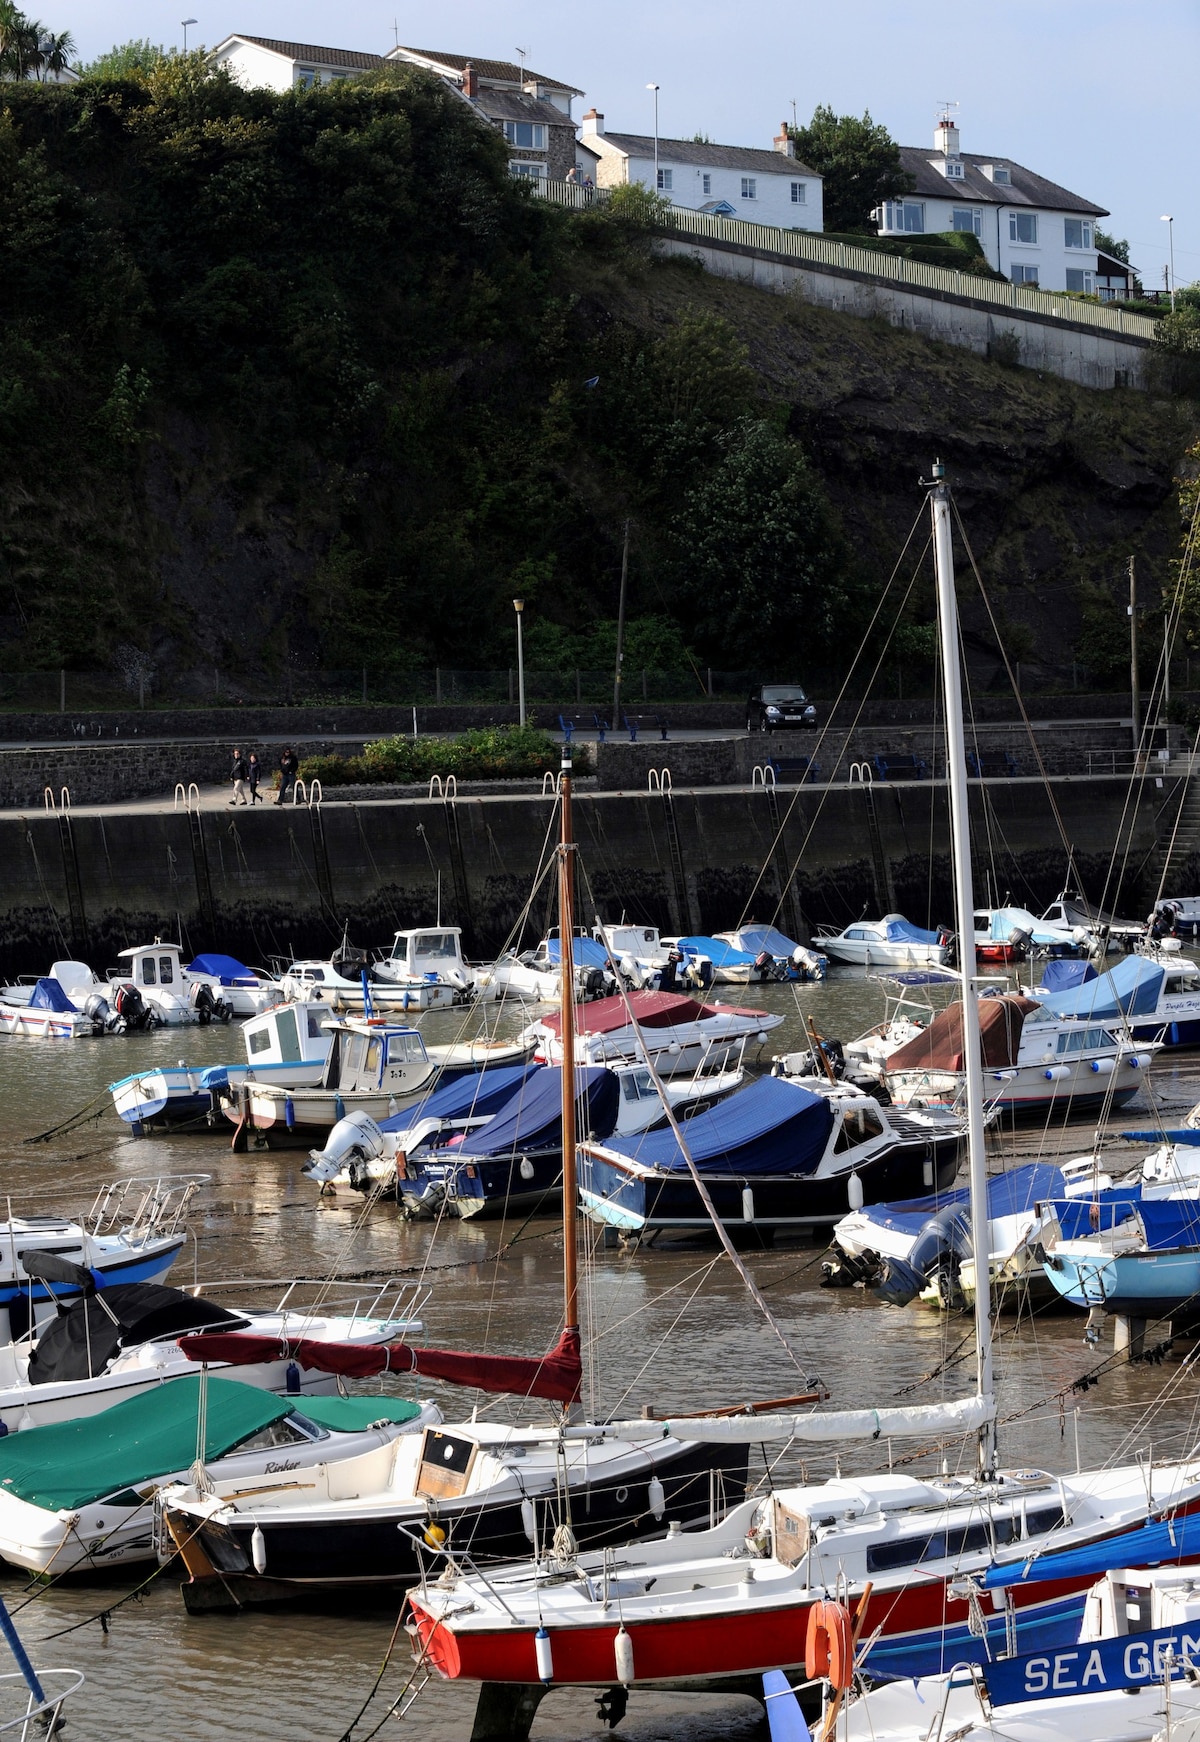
<point>239,773</point>
<point>289,768</point>
<point>255,768</point>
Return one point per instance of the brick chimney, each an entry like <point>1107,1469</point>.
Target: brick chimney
<point>945,136</point>
<point>593,124</point>
<point>470,82</point>
<point>784,141</point>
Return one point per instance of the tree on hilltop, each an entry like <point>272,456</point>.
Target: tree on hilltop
<point>860,165</point>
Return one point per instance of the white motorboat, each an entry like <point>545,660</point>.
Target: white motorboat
<point>1016,929</point>
<point>122,1340</point>
<point>78,1495</point>
<point>247,991</point>
<point>342,991</point>
<point>638,951</point>
<point>163,986</point>
<point>890,942</point>
<point>432,955</point>
<point>797,962</point>
<point>42,1010</point>
<point>681,1035</point>
<point>535,977</point>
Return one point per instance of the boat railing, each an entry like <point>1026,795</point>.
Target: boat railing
<point>760,772</point>
<point>144,1207</point>
<point>41,1717</point>
<point>394,1297</point>
<point>659,780</point>
<point>974,1675</point>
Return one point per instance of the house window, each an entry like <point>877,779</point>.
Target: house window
<point>534,171</point>
<point>665,178</point>
<point>954,169</point>
<point>1077,233</point>
<point>1079,280</point>
<point>306,77</point>
<point>1022,227</point>
<point>905,215</point>
<point>749,187</point>
<point>799,193</point>
<point>528,135</point>
<point>1024,274</point>
<point>706,184</point>
<point>1002,176</point>
<point>968,219</point>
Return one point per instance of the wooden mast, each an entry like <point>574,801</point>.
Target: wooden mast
<point>566,941</point>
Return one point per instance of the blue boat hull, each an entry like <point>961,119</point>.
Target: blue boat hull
<point>487,1186</point>
<point>137,1267</point>
<point>1140,1285</point>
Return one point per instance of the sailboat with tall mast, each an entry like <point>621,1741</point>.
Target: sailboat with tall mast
<point>736,1599</point>
<point>475,1490</point>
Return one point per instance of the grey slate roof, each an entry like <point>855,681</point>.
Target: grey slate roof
<point>747,157</point>
<point>513,106</point>
<point>1025,188</point>
<point>506,71</point>
<point>309,52</point>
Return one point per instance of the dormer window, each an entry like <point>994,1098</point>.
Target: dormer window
<point>954,169</point>
<point>1001,175</point>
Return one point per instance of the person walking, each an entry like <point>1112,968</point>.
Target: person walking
<point>255,770</point>
<point>289,768</point>
<point>239,773</point>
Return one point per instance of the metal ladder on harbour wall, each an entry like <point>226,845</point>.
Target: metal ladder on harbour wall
<point>72,881</point>
<point>686,916</point>
<point>862,774</point>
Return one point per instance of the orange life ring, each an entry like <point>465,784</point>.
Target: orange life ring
<point>829,1645</point>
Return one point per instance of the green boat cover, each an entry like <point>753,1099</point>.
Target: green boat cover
<point>69,1464</point>
<point>350,1415</point>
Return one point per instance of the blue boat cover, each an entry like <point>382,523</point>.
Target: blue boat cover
<point>1007,1194</point>
<point>475,1095</point>
<point>1062,974</point>
<point>1170,1223</point>
<point>532,1118</point>
<point>1187,1134</point>
<point>587,953</point>
<point>227,969</point>
<point>903,931</point>
<point>1129,989</point>
<point>719,954</point>
<point>49,995</point>
<point>757,938</point>
<point>770,1127</point>
<point>923,977</point>
<point>1006,920</point>
<point>1151,1545</point>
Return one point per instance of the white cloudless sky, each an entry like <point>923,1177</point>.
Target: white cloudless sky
<point>1098,95</point>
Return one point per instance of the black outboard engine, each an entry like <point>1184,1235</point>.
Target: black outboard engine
<point>594,983</point>
<point>105,1019</point>
<point>845,1270</point>
<point>1019,942</point>
<point>668,980</point>
<point>202,1002</point>
<point>133,1008</point>
<point>941,1245</point>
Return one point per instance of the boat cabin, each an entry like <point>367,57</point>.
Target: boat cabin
<point>430,950</point>
<point>642,942</point>
<point>155,964</point>
<point>287,1034</point>
<point>373,1055</point>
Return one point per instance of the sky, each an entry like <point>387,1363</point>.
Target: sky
<point>1097,95</point>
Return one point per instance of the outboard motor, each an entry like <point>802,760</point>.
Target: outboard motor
<point>671,978</point>
<point>941,1245</point>
<point>697,975</point>
<point>1019,941</point>
<point>104,1018</point>
<point>133,1008</point>
<point>354,1139</point>
<point>202,1002</point>
<point>841,1270</point>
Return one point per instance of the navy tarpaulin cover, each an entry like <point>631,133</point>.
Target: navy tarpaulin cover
<point>49,995</point>
<point>721,955</point>
<point>1170,1223</point>
<point>1129,989</point>
<point>770,1127</point>
<point>477,1094</point>
<point>532,1118</point>
<point>227,969</point>
<point>1062,974</point>
<point>1187,1134</point>
<point>757,938</point>
<point>586,953</point>
<point>1150,1545</point>
<point>903,931</point>
<point>1007,1194</point>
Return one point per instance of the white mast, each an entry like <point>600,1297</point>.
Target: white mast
<point>964,904</point>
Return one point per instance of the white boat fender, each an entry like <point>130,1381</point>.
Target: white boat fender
<point>1056,1073</point>
<point>543,1651</point>
<point>529,1520</point>
<point>623,1656</point>
<point>656,1497</point>
<point>1104,1067</point>
<point>258,1550</point>
<point>526,1168</point>
<point>854,1192</point>
<point>747,1203</point>
<point>1137,1061</point>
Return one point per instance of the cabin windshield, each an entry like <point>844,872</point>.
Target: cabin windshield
<point>374,1057</point>
<point>859,1125</point>
<point>166,970</point>
<point>636,1085</point>
<point>437,945</point>
<point>149,978</point>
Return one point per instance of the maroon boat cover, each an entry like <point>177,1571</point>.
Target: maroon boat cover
<point>650,1009</point>
<point>557,1375</point>
<point>940,1046</point>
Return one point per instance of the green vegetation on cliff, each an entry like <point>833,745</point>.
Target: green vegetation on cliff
<point>308,379</point>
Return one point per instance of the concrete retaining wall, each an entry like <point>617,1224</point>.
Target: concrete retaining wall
<point>1054,343</point>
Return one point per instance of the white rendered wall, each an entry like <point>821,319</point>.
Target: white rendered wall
<point>257,68</point>
<point>773,204</point>
<point>1050,255</point>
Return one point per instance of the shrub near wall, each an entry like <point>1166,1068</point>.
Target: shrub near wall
<point>488,753</point>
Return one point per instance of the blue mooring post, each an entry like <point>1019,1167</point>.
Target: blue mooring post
<point>18,1650</point>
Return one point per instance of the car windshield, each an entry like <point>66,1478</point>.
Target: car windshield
<point>783,692</point>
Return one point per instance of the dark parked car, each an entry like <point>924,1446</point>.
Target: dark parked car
<point>776,706</point>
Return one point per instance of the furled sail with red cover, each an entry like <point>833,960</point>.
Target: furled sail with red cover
<point>557,1375</point>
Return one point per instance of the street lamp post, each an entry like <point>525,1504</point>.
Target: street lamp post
<point>654,88</point>
<point>185,22</point>
<point>518,607</point>
<point>1169,221</point>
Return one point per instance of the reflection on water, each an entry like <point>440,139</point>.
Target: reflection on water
<point>669,1325</point>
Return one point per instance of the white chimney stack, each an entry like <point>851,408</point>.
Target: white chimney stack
<point>945,137</point>
<point>593,124</point>
<point>784,141</point>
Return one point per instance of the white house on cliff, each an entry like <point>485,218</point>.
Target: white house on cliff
<point>731,181</point>
<point>1030,229</point>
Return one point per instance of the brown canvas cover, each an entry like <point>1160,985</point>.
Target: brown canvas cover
<point>940,1046</point>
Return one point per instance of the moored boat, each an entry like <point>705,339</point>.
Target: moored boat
<point>890,942</point>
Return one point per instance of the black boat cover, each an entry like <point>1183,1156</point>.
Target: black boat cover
<point>83,1338</point>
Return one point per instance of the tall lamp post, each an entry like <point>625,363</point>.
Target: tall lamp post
<point>1169,221</point>
<point>654,88</point>
<point>518,607</point>
<point>185,22</point>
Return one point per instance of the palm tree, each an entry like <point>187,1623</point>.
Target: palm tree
<point>58,52</point>
<point>12,23</point>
